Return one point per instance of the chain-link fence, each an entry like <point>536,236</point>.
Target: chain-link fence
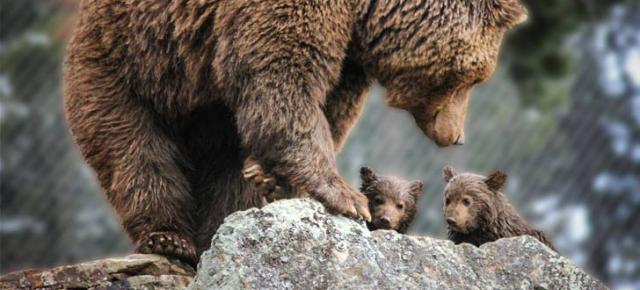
<point>51,211</point>
<point>573,159</point>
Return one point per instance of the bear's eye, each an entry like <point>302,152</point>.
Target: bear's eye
<point>466,202</point>
<point>400,206</point>
<point>447,201</point>
<point>379,200</point>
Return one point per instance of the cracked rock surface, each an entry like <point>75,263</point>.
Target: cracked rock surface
<point>295,244</point>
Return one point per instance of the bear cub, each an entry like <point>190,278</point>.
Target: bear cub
<point>477,212</point>
<point>392,201</point>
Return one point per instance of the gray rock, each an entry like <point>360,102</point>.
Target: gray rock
<point>131,272</point>
<point>295,244</point>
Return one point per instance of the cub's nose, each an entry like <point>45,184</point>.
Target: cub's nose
<point>385,221</point>
<point>451,221</point>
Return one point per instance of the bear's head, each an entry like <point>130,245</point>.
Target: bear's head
<point>469,200</point>
<point>392,201</point>
<point>430,54</point>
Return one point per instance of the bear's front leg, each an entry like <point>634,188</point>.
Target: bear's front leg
<point>346,101</point>
<point>288,133</point>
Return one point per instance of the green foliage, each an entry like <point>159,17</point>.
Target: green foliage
<point>535,53</point>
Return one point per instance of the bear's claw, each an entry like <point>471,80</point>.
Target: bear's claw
<point>169,244</point>
<point>340,198</point>
<point>363,212</point>
<point>265,184</point>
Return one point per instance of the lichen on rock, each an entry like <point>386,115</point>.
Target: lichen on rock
<point>295,244</point>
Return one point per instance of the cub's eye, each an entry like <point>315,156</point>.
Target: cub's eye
<point>466,202</point>
<point>379,200</point>
<point>447,201</point>
<point>400,206</point>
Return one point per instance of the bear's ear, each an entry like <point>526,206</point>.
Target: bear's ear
<point>416,188</point>
<point>367,175</point>
<point>504,13</point>
<point>448,172</point>
<point>495,181</point>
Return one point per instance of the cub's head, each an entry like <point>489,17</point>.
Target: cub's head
<point>392,201</point>
<point>430,54</point>
<point>469,200</point>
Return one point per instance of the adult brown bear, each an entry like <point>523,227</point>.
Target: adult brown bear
<point>166,99</point>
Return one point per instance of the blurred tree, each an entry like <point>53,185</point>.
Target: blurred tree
<point>536,55</point>
<point>50,211</point>
<point>608,174</point>
<point>566,62</point>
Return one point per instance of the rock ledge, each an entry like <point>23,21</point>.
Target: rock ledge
<point>295,244</point>
<point>129,272</point>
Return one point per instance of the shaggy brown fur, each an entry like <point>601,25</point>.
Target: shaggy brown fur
<point>392,201</point>
<point>477,212</point>
<point>166,99</point>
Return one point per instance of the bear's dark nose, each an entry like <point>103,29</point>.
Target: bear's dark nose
<point>385,221</point>
<point>451,222</point>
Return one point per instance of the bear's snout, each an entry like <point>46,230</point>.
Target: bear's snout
<point>383,222</point>
<point>451,222</point>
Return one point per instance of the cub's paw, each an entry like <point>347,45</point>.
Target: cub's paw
<point>169,244</point>
<point>340,198</point>
<point>265,184</point>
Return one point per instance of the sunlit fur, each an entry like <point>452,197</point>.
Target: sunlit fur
<point>489,216</point>
<point>386,194</point>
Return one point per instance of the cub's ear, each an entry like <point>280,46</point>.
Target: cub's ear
<point>495,181</point>
<point>504,13</point>
<point>416,188</point>
<point>367,175</point>
<point>448,172</point>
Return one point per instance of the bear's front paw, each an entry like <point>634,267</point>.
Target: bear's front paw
<point>168,244</point>
<point>265,183</point>
<point>340,198</point>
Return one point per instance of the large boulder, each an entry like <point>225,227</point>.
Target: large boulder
<point>295,244</point>
<point>130,272</point>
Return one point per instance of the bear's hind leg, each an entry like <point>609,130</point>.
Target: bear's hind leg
<point>150,190</point>
<point>136,162</point>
